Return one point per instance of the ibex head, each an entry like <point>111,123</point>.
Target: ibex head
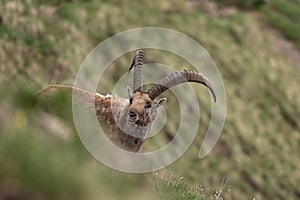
<point>142,107</point>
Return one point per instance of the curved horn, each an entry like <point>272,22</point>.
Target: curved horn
<point>177,78</point>
<point>137,74</point>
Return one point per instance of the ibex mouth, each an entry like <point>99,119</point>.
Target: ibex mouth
<point>132,117</point>
<point>131,121</point>
<point>140,123</point>
<point>136,121</point>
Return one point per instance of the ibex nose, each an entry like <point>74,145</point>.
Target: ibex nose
<point>132,114</point>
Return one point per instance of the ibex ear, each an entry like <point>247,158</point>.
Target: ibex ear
<point>129,91</point>
<point>160,102</point>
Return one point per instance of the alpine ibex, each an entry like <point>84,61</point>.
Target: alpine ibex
<point>129,120</point>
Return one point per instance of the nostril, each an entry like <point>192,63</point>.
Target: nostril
<point>132,114</point>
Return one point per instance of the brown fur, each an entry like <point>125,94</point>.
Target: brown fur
<point>128,121</point>
<point>112,113</point>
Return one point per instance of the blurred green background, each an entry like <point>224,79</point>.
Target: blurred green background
<point>255,44</point>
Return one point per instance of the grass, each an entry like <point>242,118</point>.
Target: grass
<point>44,42</point>
<point>173,188</point>
<point>284,16</point>
<point>177,188</point>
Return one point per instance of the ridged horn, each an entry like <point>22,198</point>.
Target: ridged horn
<point>137,74</point>
<point>177,78</point>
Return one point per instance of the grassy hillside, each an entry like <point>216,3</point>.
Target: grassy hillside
<point>44,42</point>
<point>285,16</point>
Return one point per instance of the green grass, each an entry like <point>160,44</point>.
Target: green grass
<point>284,16</point>
<point>36,167</point>
<point>244,4</point>
<point>44,42</point>
<point>177,188</point>
<point>173,188</point>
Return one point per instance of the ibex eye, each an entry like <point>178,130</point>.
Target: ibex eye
<point>130,100</point>
<point>148,105</point>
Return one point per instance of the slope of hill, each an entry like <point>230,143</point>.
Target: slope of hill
<point>44,42</point>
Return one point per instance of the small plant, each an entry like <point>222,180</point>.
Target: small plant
<point>174,188</point>
<point>177,188</point>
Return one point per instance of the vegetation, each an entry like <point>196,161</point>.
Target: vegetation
<point>41,155</point>
<point>177,189</point>
<point>285,16</point>
<point>244,4</point>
